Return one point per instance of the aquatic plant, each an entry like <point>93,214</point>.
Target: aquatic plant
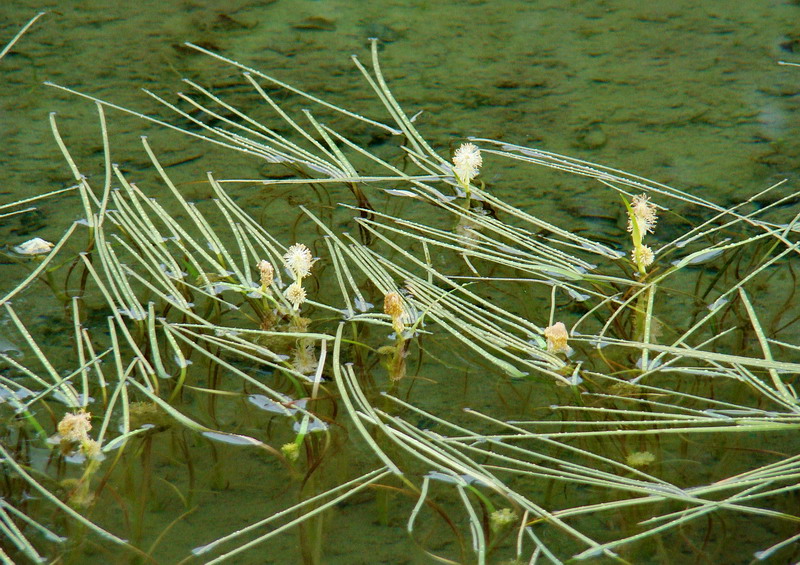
<point>543,397</point>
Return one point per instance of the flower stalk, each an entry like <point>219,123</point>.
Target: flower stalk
<point>642,219</point>
<point>467,162</point>
<point>393,306</point>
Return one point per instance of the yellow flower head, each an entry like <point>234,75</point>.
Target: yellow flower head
<point>291,451</point>
<point>267,273</point>
<point>75,427</point>
<point>393,305</point>
<point>557,337</point>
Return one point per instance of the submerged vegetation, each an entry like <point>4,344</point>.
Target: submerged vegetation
<point>447,368</point>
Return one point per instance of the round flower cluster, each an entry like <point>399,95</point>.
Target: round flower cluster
<point>298,261</point>
<point>557,337</point>
<point>75,427</point>
<point>467,161</point>
<point>645,213</point>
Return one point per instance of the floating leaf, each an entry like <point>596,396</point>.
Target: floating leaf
<point>234,439</point>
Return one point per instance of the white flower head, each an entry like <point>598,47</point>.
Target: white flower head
<point>298,260</point>
<point>645,213</point>
<point>467,161</point>
<point>296,294</point>
<point>643,256</point>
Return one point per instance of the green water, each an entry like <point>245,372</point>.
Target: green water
<point>684,94</point>
<point>687,95</point>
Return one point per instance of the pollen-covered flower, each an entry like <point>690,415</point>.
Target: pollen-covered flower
<point>267,272</point>
<point>298,260</point>
<point>75,427</point>
<point>296,294</point>
<point>393,305</point>
<point>643,256</point>
<point>645,213</point>
<point>467,161</point>
<point>557,337</point>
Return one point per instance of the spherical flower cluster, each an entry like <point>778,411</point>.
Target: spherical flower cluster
<point>643,255</point>
<point>298,260</point>
<point>645,213</point>
<point>467,161</point>
<point>75,427</point>
<point>296,294</point>
<point>557,337</point>
<point>291,451</point>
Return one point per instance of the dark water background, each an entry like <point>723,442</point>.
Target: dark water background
<point>685,93</point>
